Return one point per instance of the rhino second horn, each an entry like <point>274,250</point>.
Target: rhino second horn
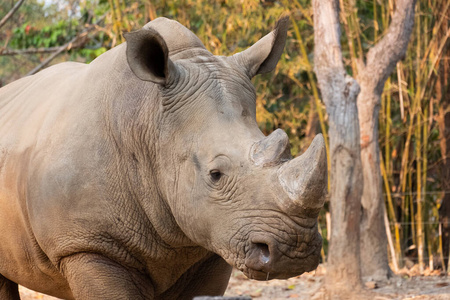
<point>305,178</point>
<point>271,150</point>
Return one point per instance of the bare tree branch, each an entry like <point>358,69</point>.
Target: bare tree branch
<point>11,52</point>
<point>384,56</point>
<point>327,49</point>
<point>59,50</point>
<point>11,12</point>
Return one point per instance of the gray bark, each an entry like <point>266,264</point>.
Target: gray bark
<point>339,92</point>
<point>10,13</point>
<point>381,60</point>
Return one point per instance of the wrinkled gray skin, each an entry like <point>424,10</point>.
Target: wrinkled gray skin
<point>144,175</point>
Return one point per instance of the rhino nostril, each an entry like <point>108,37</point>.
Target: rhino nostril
<point>264,253</point>
<point>259,257</point>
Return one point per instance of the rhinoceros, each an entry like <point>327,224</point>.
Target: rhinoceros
<point>144,175</point>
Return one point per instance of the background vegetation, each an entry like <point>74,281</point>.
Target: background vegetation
<point>412,116</point>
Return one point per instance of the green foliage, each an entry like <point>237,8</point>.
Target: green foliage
<point>90,54</point>
<point>27,36</point>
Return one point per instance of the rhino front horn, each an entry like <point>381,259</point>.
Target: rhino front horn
<point>304,179</point>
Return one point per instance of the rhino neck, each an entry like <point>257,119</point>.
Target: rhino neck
<point>131,109</point>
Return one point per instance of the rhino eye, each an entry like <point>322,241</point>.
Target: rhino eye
<point>215,175</point>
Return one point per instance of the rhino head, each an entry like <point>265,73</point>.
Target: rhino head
<point>229,188</point>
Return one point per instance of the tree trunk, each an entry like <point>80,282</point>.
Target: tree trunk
<point>339,93</point>
<point>373,241</point>
<point>381,60</point>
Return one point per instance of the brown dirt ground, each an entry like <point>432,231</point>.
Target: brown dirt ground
<point>309,286</point>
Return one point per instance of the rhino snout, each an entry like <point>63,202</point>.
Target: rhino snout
<point>264,260</point>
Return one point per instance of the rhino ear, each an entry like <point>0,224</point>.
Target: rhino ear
<point>148,56</point>
<point>263,56</point>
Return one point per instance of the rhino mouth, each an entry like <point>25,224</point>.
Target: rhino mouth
<point>258,275</point>
<point>262,275</point>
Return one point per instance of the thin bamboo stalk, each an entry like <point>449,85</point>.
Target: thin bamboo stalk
<point>349,33</point>
<point>390,242</point>
<point>435,39</point>
<point>400,90</point>
<point>405,217</point>
<point>390,8</point>
<point>303,10</point>
<point>118,12</point>
<point>375,21</point>
<point>418,134</point>
<point>413,112</point>
<point>441,253</point>
<point>387,153</point>
<point>384,18</point>
<point>412,210</point>
<point>356,28</point>
<point>420,246</point>
<point>125,19</point>
<point>391,211</point>
<point>405,156</point>
<point>114,19</point>
<point>426,210</point>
